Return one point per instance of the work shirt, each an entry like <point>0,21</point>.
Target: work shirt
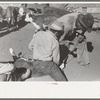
<point>45,47</point>
<point>69,21</point>
<point>21,11</point>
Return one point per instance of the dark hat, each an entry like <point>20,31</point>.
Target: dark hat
<point>86,21</point>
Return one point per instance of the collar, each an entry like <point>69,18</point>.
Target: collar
<point>53,35</point>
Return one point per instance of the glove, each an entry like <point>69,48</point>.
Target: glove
<point>80,38</point>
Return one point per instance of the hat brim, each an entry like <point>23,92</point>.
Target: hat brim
<point>89,30</point>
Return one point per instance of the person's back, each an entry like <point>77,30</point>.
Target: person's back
<point>44,45</point>
<point>68,18</point>
<point>46,53</point>
<point>68,21</point>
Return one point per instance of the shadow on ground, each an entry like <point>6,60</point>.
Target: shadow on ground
<point>4,31</point>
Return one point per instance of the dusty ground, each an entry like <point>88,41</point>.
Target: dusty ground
<point>19,40</point>
<point>76,72</point>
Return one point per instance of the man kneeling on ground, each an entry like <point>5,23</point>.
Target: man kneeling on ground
<point>46,52</point>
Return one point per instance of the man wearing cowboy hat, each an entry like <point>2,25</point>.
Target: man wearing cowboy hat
<point>46,52</point>
<point>75,26</point>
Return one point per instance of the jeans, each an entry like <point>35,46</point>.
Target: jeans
<point>49,68</point>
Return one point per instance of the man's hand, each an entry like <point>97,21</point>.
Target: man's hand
<point>66,43</point>
<point>80,38</point>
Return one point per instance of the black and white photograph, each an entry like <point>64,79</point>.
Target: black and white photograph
<point>49,42</point>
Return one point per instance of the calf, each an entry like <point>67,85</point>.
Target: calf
<point>24,68</point>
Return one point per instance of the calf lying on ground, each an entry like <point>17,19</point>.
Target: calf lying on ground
<point>24,69</point>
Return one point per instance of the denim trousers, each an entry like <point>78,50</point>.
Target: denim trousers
<point>49,68</point>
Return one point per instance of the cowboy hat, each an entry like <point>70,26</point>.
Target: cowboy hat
<point>58,26</point>
<point>86,21</point>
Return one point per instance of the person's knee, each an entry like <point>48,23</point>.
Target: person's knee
<point>64,78</point>
<point>58,75</point>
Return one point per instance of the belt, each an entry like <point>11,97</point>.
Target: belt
<point>37,60</point>
<point>41,60</point>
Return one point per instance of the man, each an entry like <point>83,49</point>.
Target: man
<point>75,26</point>
<point>22,12</point>
<point>22,9</point>
<point>46,54</point>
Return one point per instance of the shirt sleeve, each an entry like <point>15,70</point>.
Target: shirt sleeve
<point>56,54</point>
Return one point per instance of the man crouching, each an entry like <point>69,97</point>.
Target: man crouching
<point>46,52</point>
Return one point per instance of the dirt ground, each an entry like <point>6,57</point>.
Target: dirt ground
<point>19,40</point>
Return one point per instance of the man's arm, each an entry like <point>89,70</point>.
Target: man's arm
<point>56,55</point>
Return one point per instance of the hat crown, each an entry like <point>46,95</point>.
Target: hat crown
<point>86,20</point>
<point>57,26</point>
